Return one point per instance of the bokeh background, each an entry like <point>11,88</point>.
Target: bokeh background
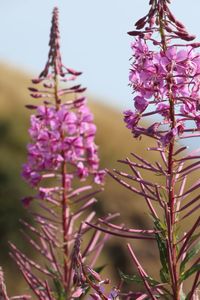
<point>94,40</point>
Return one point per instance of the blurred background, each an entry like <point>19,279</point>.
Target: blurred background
<point>93,40</point>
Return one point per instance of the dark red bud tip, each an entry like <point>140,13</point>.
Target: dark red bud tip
<point>37,80</point>
<point>141,26</point>
<point>156,43</point>
<point>73,72</point>
<point>189,38</point>
<point>180,25</point>
<point>81,90</point>
<point>75,87</point>
<point>168,29</point>
<point>195,45</point>
<point>171,16</point>
<point>134,33</point>
<point>36,95</point>
<point>79,102</point>
<point>31,89</point>
<point>29,106</point>
<point>47,102</point>
<point>140,21</point>
<point>48,85</point>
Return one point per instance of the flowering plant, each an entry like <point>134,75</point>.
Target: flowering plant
<point>62,149</point>
<point>164,77</point>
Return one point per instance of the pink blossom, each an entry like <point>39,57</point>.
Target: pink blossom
<point>140,103</point>
<point>153,74</point>
<point>131,119</point>
<point>57,135</point>
<point>166,139</point>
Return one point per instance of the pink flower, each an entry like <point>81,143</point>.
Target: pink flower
<point>99,177</point>
<point>163,109</point>
<point>140,103</point>
<point>58,135</point>
<point>131,119</point>
<point>166,139</point>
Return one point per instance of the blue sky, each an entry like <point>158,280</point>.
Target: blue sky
<point>94,38</point>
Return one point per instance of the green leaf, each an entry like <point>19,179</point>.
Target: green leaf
<point>194,238</point>
<point>161,242</point>
<point>160,226</point>
<point>164,276</point>
<point>164,273</point>
<point>100,268</point>
<point>137,279</point>
<point>190,254</point>
<point>130,278</point>
<point>189,272</point>
<point>60,291</point>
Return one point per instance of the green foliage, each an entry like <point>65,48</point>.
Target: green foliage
<point>161,242</point>
<point>59,290</point>
<point>189,255</point>
<point>137,279</point>
<point>189,272</point>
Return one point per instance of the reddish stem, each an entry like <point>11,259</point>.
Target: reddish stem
<point>171,179</point>
<point>65,207</point>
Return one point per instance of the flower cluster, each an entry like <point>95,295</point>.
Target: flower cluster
<point>66,134</point>
<point>161,71</point>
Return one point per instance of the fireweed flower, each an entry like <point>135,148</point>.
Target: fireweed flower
<point>159,72</point>
<point>62,154</point>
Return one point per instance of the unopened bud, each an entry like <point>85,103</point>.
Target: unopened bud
<point>37,80</point>
<point>29,106</point>
<point>134,33</point>
<point>73,72</point>
<point>140,21</point>
<point>31,89</point>
<point>179,24</point>
<point>195,45</point>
